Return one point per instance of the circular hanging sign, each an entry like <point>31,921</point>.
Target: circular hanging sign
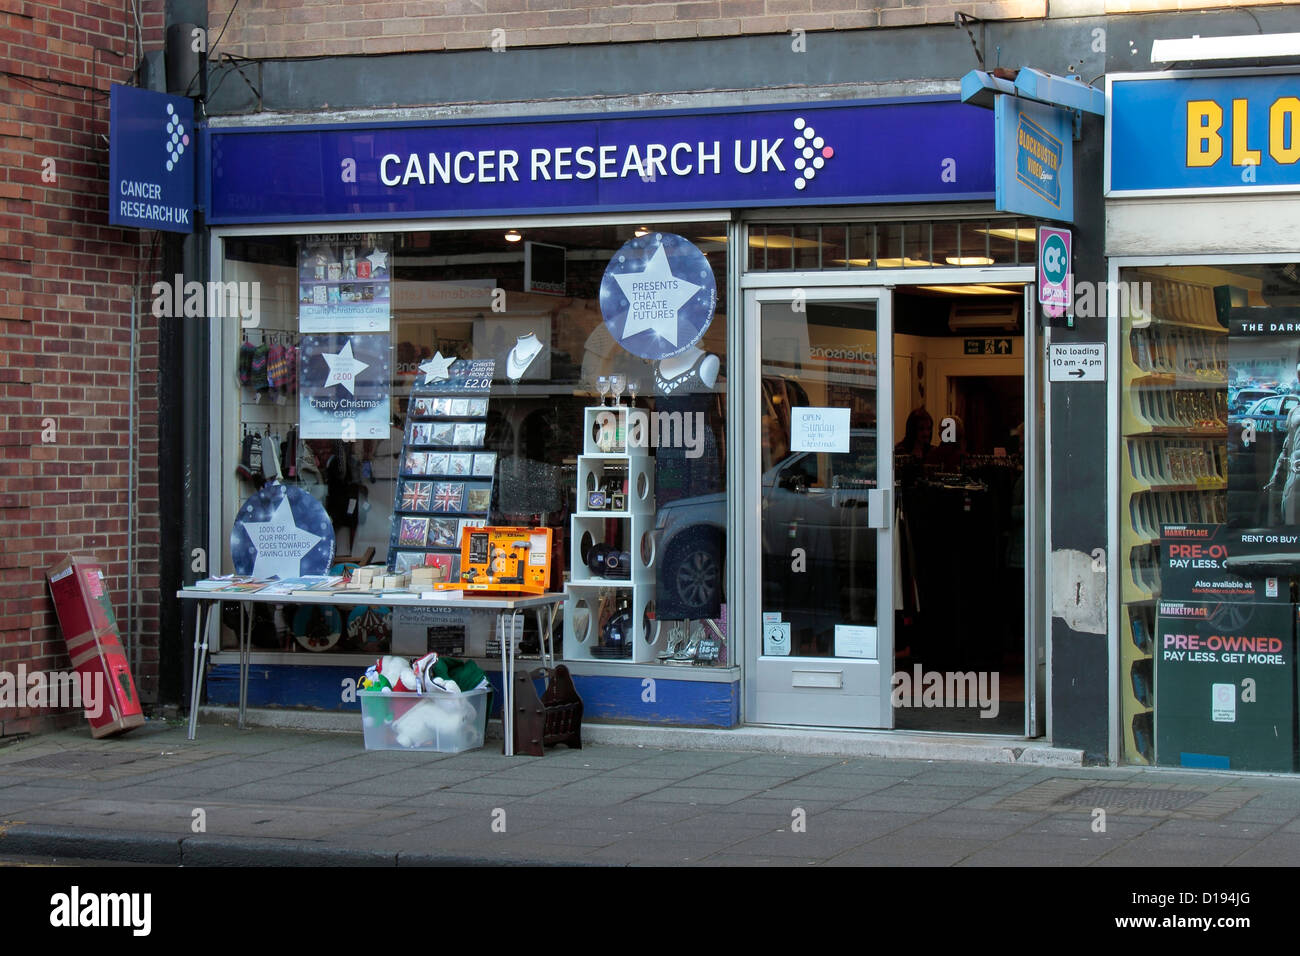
<point>281,531</point>
<point>658,295</point>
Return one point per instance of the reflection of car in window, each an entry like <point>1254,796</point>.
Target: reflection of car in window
<point>1268,414</point>
<point>1244,398</point>
<point>821,494</point>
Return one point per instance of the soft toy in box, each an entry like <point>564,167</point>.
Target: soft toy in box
<point>399,674</point>
<point>446,721</point>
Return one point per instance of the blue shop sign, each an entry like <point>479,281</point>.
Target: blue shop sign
<point>151,154</point>
<point>1035,159</point>
<point>913,150</point>
<point>1198,134</point>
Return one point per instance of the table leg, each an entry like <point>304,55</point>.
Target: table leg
<point>245,647</point>
<point>514,620</point>
<point>553,609</point>
<point>202,614</point>
<point>544,631</point>
<point>506,746</point>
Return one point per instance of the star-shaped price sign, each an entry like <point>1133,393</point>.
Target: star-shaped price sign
<point>658,295</point>
<point>281,532</point>
<point>437,369</point>
<point>344,369</point>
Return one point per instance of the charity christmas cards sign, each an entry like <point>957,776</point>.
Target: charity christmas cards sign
<point>344,386</point>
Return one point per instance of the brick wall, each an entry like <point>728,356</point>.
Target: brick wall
<point>290,28</point>
<point>305,28</point>
<point>65,326</point>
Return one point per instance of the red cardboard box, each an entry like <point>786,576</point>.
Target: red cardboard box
<point>89,626</point>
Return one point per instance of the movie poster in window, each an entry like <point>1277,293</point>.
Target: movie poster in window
<point>1262,402</point>
<point>344,282</point>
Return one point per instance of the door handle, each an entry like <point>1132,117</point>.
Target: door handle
<point>879,508</point>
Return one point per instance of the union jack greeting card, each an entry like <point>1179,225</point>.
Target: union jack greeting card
<point>448,496</point>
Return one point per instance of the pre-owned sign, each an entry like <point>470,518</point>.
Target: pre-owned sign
<point>151,155</point>
<point>1223,690</point>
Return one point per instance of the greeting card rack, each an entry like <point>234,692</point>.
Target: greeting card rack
<point>445,475</point>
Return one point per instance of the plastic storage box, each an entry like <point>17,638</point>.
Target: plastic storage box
<point>432,722</point>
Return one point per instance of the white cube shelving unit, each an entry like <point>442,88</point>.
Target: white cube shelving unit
<point>631,528</point>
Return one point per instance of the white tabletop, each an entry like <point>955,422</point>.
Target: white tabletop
<point>466,599</point>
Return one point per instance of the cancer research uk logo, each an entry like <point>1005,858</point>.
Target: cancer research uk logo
<point>178,138</point>
<point>813,153</point>
<point>658,295</point>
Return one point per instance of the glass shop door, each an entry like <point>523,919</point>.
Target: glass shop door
<point>820,422</point>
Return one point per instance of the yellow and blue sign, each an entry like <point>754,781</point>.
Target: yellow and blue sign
<point>1203,134</point>
<point>1034,158</point>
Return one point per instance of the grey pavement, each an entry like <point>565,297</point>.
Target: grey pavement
<point>287,797</point>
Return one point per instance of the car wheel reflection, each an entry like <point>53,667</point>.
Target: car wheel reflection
<point>697,576</point>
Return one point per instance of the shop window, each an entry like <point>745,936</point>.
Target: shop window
<point>861,248</point>
<point>891,245</point>
<point>945,247</point>
<point>807,247</point>
<point>916,245</point>
<point>1209,429</point>
<point>397,301</point>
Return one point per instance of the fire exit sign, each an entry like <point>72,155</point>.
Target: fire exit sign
<point>987,347</point>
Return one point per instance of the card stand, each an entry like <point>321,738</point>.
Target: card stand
<point>1173,373</point>
<point>633,476</point>
<point>433,434</point>
<point>1170,303</point>
<point>1164,355</point>
<point>1138,642</point>
<point>1163,409</point>
<point>1144,571</point>
<point>1171,464</point>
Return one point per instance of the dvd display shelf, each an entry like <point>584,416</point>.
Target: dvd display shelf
<point>1173,461</point>
<point>612,546</point>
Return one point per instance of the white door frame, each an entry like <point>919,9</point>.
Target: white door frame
<point>747,504</point>
<point>879,672</point>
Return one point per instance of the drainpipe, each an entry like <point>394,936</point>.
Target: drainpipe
<point>132,645</point>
